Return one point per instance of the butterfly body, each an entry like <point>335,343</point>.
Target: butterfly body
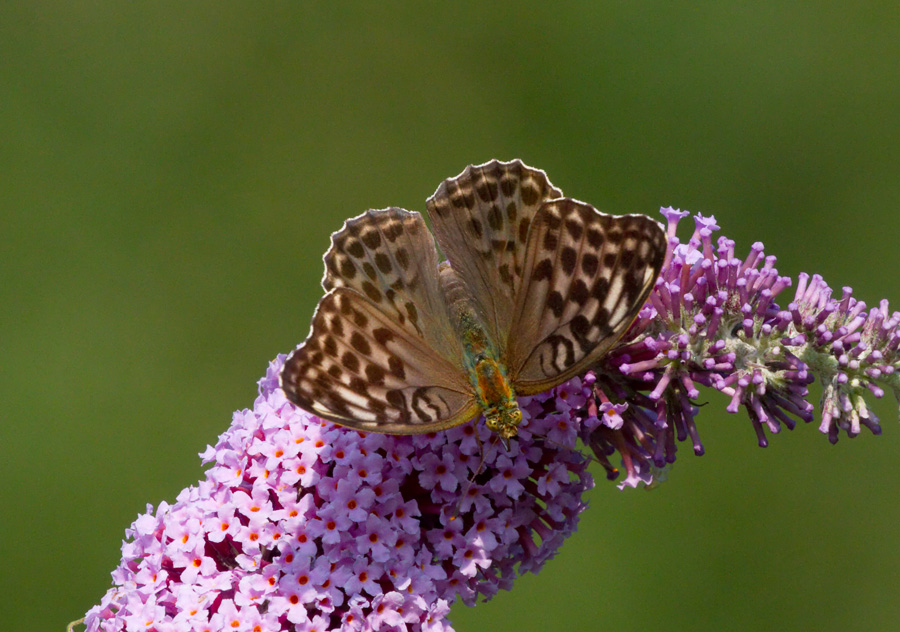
<point>481,358</point>
<point>536,288</point>
<point>496,397</point>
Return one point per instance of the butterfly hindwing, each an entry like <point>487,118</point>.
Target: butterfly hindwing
<point>359,369</point>
<point>388,256</point>
<point>586,276</point>
<point>382,354</point>
<point>481,220</point>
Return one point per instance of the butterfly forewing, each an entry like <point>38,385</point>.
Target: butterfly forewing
<point>586,276</point>
<point>481,219</point>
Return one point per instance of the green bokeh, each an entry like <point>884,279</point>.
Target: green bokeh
<point>169,176</point>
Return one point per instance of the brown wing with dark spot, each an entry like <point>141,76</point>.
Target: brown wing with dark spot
<point>382,354</point>
<point>388,256</point>
<point>586,277</point>
<point>481,220</point>
<point>359,369</point>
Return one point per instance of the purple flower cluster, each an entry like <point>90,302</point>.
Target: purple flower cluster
<point>303,525</point>
<point>712,320</point>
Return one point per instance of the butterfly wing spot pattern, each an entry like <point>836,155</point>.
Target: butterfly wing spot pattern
<point>591,274</point>
<point>360,369</point>
<point>535,289</point>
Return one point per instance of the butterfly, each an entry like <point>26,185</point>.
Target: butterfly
<point>535,289</point>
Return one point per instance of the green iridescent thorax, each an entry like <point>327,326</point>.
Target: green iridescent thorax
<point>488,375</point>
<point>481,358</point>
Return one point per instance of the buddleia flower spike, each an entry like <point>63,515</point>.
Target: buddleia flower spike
<point>303,524</point>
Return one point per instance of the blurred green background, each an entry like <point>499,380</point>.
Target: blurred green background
<point>170,174</point>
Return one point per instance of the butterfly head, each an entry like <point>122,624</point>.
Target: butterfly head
<point>504,419</point>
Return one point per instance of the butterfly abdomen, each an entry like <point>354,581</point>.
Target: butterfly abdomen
<point>481,358</point>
